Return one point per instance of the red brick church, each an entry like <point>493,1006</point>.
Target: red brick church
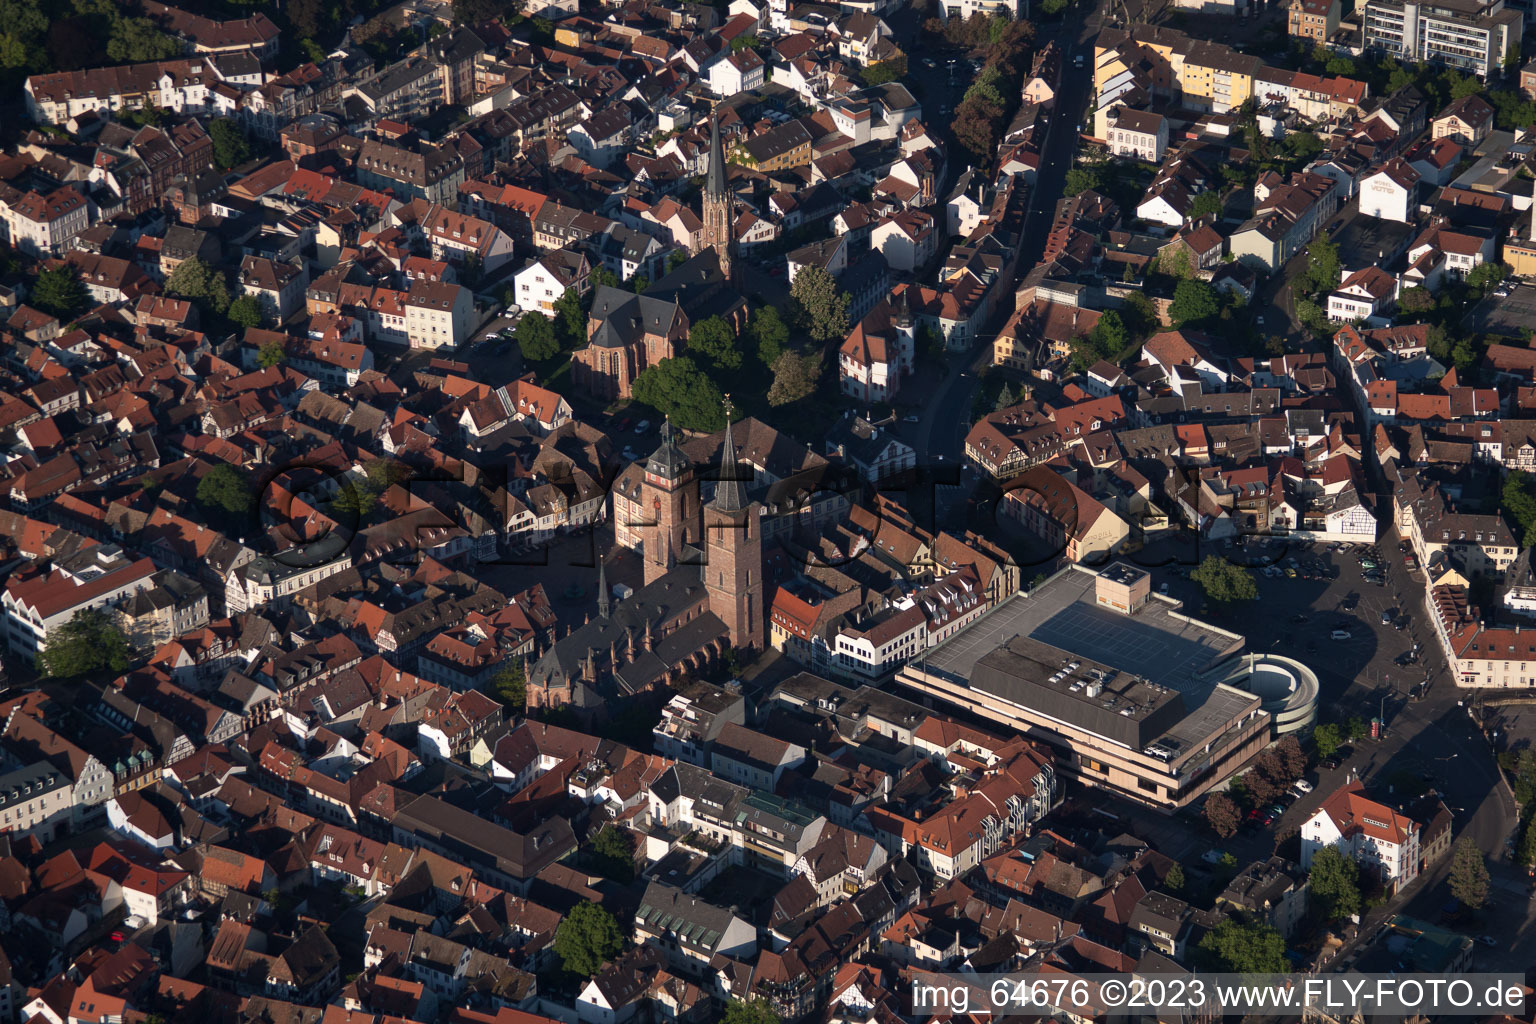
<point>703,592</point>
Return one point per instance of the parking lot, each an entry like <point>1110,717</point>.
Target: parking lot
<point>1510,314</point>
<point>1300,615</point>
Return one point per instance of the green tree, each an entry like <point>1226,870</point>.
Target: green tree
<point>1224,581</point>
<point>571,318</point>
<point>1139,315</point>
<point>755,1012</point>
<point>1206,204</point>
<point>269,355</point>
<point>822,306</point>
<point>88,642</point>
<point>196,280</point>
<point>1527,851</point>
<point>1525,775</point>
<point>1176,263</point>
<point>1322,265</point>
<point>230,148</point>
<point>1174,880</point>
<point>354,503</point>
<point>1416,300</point>
<point>1005,398</point>
<point>1313,318</point>
<point>475,12</point>
<point>770,334</point>
<point>509,686</point>
<point>1303,146</point>
<point>714,338</point>
<point>885,71</point>
<point>1334,883</point>
<point>59,292</point>
<point>1485,277</point>
<point>603,277</point>
<point>139,41</point>
<point>1081,179</point>
<point>587,938</point>
<point>536,338</point>
<point>245,311</point>
<point>678,388</point>
<point>795,376</point>
<point>224,491</point>
<point>1244,948</point>
<point>1327,739</point>
<point>1465,86</point>
<point>1518,503</point>
<point>1194,302</point>
<point>1469,874</point>
<point>615,853</point>
<point>675,259</point>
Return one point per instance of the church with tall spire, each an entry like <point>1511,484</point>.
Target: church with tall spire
<point>703,591</point>
<point>719,221</point>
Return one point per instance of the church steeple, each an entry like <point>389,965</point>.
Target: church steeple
<point>733,566</point>
<point>671,491</point>
<point>603,606</point>
<point>716,213</point>
<point>714,184</point>
<point>731,491</point>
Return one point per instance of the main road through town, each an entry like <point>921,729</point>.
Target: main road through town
<point>939,438</point>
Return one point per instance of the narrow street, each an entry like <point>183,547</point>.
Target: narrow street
<point>939,437</point>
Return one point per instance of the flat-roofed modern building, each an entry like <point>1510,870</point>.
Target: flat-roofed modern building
<point>1116,679</point>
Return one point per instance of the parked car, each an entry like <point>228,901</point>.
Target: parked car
<point>642,426</point>
<point>912,418</point>
<point>1303,786</point>
<point>1212,856</point>
<point>1341,634</point>
<point>1386,617</point>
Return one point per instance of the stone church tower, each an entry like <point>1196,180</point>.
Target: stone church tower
<point>671,495</point>
<point>718,232</point>
<point>733,550</point>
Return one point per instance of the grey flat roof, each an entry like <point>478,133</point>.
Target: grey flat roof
<point>1123,574</point>
<point>1081,692</point>
<point>1060,621</point>
<point>1156,643</point>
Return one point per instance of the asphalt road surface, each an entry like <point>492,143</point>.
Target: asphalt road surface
<point>939,437</point>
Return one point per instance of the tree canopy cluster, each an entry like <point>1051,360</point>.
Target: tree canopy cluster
<point>194,279</point>
<point>993,95</point>
<point>59,291</point>
<point>1244,947</point>
<point>1225,581</point>
<point>1334,884</point>
<point>588,938</point>
<point>66,35</point>
<point>679,389</point>
<point>89,642</point>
